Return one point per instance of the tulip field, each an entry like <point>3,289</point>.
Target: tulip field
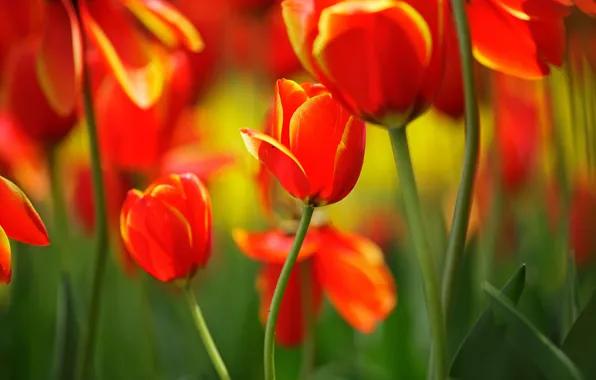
<point>298,189</point>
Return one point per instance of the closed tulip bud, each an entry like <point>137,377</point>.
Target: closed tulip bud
<point>316,148</point>
<point>167,228</point>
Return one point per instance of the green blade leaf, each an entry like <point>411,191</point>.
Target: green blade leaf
<point>580,343</point>
<point>530,341</point>
<point>483,354</point>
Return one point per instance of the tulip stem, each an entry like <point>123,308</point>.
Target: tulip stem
<point>426,260</point>
<point>64,323</point>
<point>308,344</point>
<point>278,294</point>
<point>463,204</point>
<point>201,325</point>
<point>86,354</point>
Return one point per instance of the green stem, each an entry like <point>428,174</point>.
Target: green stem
<point>308,344</point>
<point>278,294</point>
<point>86,354</point>
<point>201,325</point>
<point>426,260</point>
<point>60,242</point>
<point>463,204</point>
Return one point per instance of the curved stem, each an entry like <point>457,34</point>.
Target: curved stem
<point>278,294</point>
<point>463,204</point>
<point>403,162</point>
<point>201,325</point>
<point>88,345</point>
<point>308,344</point>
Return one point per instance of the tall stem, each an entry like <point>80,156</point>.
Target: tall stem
<point>308,344</point>
<point>60,241</point>
<point>426,260</point>
<point>463,204</point>
<point>101,250</point>
<point>278,294</point>
<point>201,325</point>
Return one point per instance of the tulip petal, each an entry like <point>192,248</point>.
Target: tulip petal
<point>132,197</point>
<point>273,246</point>
<point>354,276</point>
<point>316,129</point>
<point>60,57</point>
<point>536,9</point>
<point>289,95</point>
<point>505,43</point>
<point>159,239</point>
<point>586,6</point>
<point>382,76</point>
<point>198,214</point>
<point>289,330</point>
<point>349,159</point>
<point>166,23</point>
<point>5,259</point>
<point>18,218</point>
<point>279,160</point>
<point>138,70</point>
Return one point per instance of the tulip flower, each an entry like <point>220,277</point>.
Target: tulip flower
<point>111,26</point>
<point>586,6</point>
<point>18,221</point>
<point>316,150</point>
<point>346,267</point>
<point>167,228</point>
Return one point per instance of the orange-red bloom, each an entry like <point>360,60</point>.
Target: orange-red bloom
<point>383,59</point>
<point>519,38</point>
<point>112,26</point>
<point>348,268</point>
<point>167,228</point>
<point>19,221</point>
<point>316,149</point>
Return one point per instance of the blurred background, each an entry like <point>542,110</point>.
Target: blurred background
<point>537,166</point>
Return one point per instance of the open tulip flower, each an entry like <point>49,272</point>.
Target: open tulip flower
<point>167,228</point>
<point>112,29</point>
<point>316,149</point>
<point>18,221</point>
<point>349,269</point>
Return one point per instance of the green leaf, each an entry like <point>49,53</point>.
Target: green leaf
<point>484,353</point>
<point>580,343</point>
<point>530,341</point>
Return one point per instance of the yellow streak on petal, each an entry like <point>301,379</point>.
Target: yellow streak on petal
<point>146,13</point>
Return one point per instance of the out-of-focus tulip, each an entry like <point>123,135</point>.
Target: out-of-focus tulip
<point>112,27</point>
<point>519,38</point>
<point>18,221</point>
<point>586,6</point>
<point>382,59</point>
<point>346,267</point>
<point>167,228</point>
<point>261,44</point>
<point>21,158</point>
<point>316,149</point>
<point>26,102</point>
<point>134,138</point>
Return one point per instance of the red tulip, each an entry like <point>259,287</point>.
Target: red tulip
<point>519,38</point>
<point>167,228</point>
<point>112,26</point>
<point>316,149</point>
<point>382,59</point>
<point>19,221</point>
<point>134,138</point>
<point>348,268</point>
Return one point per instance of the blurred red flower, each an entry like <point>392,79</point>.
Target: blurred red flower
<point>167,228</point>
<point>18,221</point>
<point>348,268</point>
<point>316,149</point>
